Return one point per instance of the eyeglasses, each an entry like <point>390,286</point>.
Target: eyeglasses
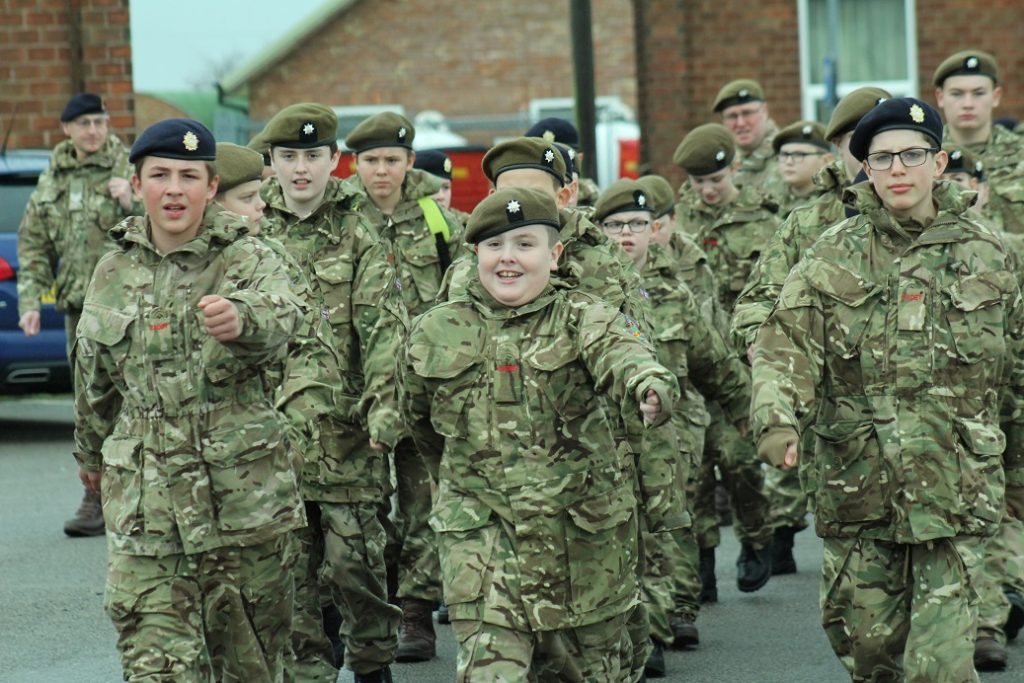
<point>797,156</point>
<point>733,117</point>
<point>635,226</point>
<point>915,156</point>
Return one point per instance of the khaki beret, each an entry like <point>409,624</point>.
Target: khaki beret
<point>852,108</point>
<point>660,192</point>
<point>898,113</point>
<point>962,161</point>
<point>705,150</point>
<point>301,126</point>
<point>386,129</point>
<point>736,92</point>
<point>624,194</point>
<point>237,165</point>
<point>810,132</point>
<point>967,63</point>
<point>524,153</point>
<point>509,209</point>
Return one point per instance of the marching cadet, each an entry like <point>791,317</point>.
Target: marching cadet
<point>175,425</point>
<point>438,164</point>
<point>561,131</point>
<point>535,514</point>
<point>240,172</point>
<point>744,112</point>
<point>967,91</point>
<point>424,238</point>
<point>63,233</point>
<point>688,343</point>
<point>891,340</point>
<point>787,494</point>
<point>344,479</point>
<point>733,226</point>
<point>802,151</point>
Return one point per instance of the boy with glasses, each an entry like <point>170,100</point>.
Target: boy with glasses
<point>744,112</point>
<point>891,340</point>
<point>802,151</point>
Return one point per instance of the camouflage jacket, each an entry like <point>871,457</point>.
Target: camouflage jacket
<point>691,266</point>
<point>796,234</point>
<point>732,236</point>
<point>891,345</point>
<point>63,233</point>
<point>1003,156</point>
<point>515,395</point>
<point>354,288</point>
<point>759,168</point>
<point>413,245</point>
<point>181,425</point>
<point>588,193</point>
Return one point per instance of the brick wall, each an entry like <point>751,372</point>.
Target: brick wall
<point>40,67</point>
<point>487,58</point>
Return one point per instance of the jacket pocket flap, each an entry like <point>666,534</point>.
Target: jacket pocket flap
<point>104,325</point>
<point>982,438</point>
<point>459,514</point>
<point>602,512</point>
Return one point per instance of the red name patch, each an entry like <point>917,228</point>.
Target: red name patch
<point>508,368</point>
<point>710,243</point>
<point>159,326</point>
<point>917,296</point>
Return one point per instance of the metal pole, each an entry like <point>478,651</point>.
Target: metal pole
<point>583,63</point>
<point>832,60</point>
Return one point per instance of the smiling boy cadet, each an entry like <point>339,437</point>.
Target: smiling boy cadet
<point>967,91</point>
<point>344,480</point>
<point>175,424</point>
<point>535,514</point>
<point>424,238</point>
<point>732,225</point>
<point>891,340</point>
<point>802,151</point>
<point>688,343</point>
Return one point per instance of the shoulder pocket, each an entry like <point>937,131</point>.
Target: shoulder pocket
<point>104,325</point>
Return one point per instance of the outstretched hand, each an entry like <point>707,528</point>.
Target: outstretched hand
<point>650,407</point>
<point>221,317</point>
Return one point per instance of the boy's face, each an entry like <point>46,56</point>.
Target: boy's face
<point>515,266</point>
<point>635,244</point>
<point>444,196</point>
<point>715,188</point>
<point>906,191</point>
<point>383,170</point>
<point>88,132</point>
<point>842,143</point>
<point>967,101</point>
<point>244,200</point>
<point>962,179</point>
<point>303,173</point>
<point>535,179</point>
<point>175,193</point>
<point>799,162</point>
<point>747,123</point>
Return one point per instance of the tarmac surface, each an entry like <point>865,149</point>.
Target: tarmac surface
<point>51,587</point>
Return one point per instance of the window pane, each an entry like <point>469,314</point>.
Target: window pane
<point>872,40</point>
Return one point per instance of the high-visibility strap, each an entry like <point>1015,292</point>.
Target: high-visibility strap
<point>435,220</point>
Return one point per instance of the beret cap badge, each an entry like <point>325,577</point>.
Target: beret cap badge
<point>190,141</point>
<point>641,198</point>
<point>743,93</point>
<point>806,130</point>
<point>513,210</point>
<point>549,156</point>
<point>549,135</point>
<point>916,114</point>
<point>402,132</point>
<point>308,128</point>
<point>447,165</point>
<point>971,63</point>
<point>956,154</point>
<point>720,155</point>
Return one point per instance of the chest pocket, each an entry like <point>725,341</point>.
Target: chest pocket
<point>108,327</point>
<point>559,376</point>
<point>976,318</point>
<point>421,266</point>
<point>334,280</point>
<point>743,254</point>
<point>456,373</point>
<point>850,301</point>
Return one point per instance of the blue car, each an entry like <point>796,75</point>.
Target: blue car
<point>27,364</point>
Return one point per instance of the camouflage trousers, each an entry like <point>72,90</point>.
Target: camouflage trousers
<point>635,645</point>
<point>341,553</point>
<point>419,570</point>
<point>898,612</point>
<point>736,460</point>
<point>495,640</point>
<point>786,498</point>
<point>1003,569</point>
<point>222,615</point>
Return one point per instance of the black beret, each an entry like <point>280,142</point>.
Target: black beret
<point>705,150</point>
<point>175,139</point>
<point>967,63</point>
<point>851,109</point>
<point>961,160</point>
<point>899,113</point>
<point>736,92</point>
<point>301,126</point>
<point>509,209</point>
<point>80,104</point>
<point>810,132</point>
<point>624,194</point>
<point>554,129</point>
<point>569,157</point>
<point>386,129</point>
<point>523,153</point>
<point>434,162</point>
<point>237,165</point>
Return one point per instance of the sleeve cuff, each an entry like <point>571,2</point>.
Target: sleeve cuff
<point>772,445</point>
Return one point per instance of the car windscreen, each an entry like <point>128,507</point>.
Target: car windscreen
<point>14,194</point>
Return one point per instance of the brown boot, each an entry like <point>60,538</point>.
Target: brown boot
<point>989,654</point>
<point>88,521</point>
<point>416,639</point>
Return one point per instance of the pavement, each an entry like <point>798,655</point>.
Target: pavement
<point>51,587</point>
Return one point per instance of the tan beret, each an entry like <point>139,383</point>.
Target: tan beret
<point>386,129</point>
<point>810,132</point>
<point>301,126</point>
<point>967,63</point>
<point>736,92</point>
<point>705,150</point>
<point>852,108</point>
<point>524,153</point>
<point>508,209</point>
<point>237,165</point>
<point>624,194</point>
<point>660,192</point>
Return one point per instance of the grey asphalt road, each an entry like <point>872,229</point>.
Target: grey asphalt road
<point>52,626</point>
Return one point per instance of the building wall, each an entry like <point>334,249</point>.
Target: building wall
<point>150,109</point>
<point>486,59</point>
<point>41,67</point>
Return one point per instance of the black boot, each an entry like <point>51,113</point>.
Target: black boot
<point>378,676</point>
<point>684,632</point>
<point>1015,620</point>
<point>442,614</point>
<point>332,627</point>
<point>782,550</point>
<point>753,569</point>
<point>708,583</point>
<point>655,666</point>
<point>989,654</point>
<point>416,638</point>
